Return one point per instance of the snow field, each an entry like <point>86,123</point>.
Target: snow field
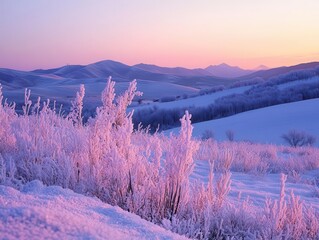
<point>177,182</point>
<point>265,125</point>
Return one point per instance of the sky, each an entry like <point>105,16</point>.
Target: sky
<point>191,33</point>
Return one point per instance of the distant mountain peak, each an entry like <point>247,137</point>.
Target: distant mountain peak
<point>178,71</point>
<point>224,65</point>
<point>225,70</point>
<point>261,67</point>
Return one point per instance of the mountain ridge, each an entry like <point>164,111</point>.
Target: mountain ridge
<point>197,77</point>
<point>272,72</point>
<point>226,70</point>
<point>94,70</point>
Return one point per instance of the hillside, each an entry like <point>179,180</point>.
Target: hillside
<point>269,73</point>
<point>119,71</point>
<point>265,125</point>
<point>220,102</point>
<point>57,213</point>
<point>59,83</point>
<point>178,71</point>
<point>194,102</point>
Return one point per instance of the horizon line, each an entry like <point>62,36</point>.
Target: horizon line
<point>153,64</point>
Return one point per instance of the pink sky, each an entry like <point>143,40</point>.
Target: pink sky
<point>247,33</point>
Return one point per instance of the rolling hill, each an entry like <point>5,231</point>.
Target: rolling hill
<point>265,125</point>
<point>155,82</point>
<point>62,83</point>
<point>269,73</point>
<point>178,71</point>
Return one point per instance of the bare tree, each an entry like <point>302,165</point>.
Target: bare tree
<point>230,135</point>
<point>208,134</point>
<point>298,138</point>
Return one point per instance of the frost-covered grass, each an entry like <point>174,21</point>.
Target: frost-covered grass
<point>258,159</point>
<point>256,169</point>
<point>155,176</point>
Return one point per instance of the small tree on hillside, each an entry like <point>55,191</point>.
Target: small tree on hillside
<point>230,135</point>
<point>208,134</point>
<point>298,138</point>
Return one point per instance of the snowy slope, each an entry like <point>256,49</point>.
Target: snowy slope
<point>207,99</point>
<point>40,212</point>
<point>63,90</point>
<point>200,101</point>
<point>266,125</point>
<point>269,73</point>
<point>299,82</point>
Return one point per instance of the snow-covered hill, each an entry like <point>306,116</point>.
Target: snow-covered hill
<point>265,125</point>
<point>207,99</point>
<point>178,71</point>
<point>40,212</point>
<point>272,72</point>
<point>199,101</point>
<point>155,82</point>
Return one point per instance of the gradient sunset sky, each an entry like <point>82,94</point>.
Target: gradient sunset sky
<point>51,33</point>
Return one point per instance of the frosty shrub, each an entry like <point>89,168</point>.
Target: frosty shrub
<point>298,138</point>
<point>207,134</point>
<point>77,107</point>
<point>230,135</point>
<point>7,115</point>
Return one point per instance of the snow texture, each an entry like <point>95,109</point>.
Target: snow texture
<point>41,212</point>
